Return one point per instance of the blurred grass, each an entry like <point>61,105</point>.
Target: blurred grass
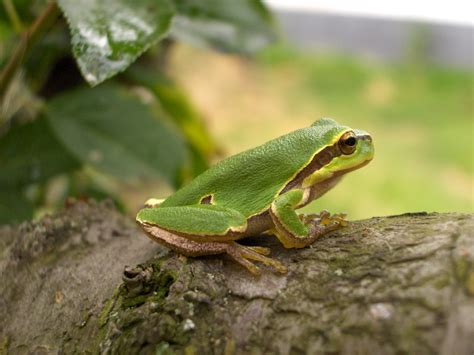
<point>421,118</point>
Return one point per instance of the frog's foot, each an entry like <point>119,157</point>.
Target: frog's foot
<point>299,231</point>
<point>243,254</point>
<point>323,223</point>
<point>324,218</point>
<point>318,224</point>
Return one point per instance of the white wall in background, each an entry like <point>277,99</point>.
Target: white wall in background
<point>452,11</point>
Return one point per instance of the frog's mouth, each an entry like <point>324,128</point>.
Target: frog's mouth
<point>352,168</point>
<point>340,173</point>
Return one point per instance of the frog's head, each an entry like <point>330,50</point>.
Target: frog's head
<point>345,150</point>
<point>356,149</point>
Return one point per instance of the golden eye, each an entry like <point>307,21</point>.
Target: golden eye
<point>348,143</point>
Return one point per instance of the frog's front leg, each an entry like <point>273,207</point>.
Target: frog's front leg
<point>203,230</point>
<point>296,231</point>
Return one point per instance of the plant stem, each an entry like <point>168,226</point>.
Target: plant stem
<point>27,40</point>
<point>13,15</point>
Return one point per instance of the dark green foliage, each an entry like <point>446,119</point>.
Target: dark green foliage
<point>31,153</point>
<point>14,207</point>
<point>52,125</point>
<point>153,287</point>
<point>95,125</point>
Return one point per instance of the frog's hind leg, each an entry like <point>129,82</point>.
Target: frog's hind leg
<point>204,229</point>
<point>239,253</point>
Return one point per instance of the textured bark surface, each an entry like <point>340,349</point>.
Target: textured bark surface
<point>401,284</point>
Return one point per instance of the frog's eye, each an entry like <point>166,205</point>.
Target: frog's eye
<point>348,143</point>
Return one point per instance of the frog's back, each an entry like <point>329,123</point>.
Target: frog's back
<point>249,181</point>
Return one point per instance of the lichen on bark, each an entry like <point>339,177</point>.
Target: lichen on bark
<point>87,280</point>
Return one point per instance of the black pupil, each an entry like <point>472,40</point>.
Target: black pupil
<point>351,141</point>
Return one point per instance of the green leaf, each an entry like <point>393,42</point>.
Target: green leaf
<point>108,35</point>
<point>31,153</point>
<point>117,134</point>
<point>229,25</point>
<point>14,207</point>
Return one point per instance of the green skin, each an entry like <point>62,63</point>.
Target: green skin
<point>258,191</point>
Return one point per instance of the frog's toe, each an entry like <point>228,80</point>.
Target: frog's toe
<point>260,250</point>
<point>324,218</point>
<point>340,219</point>
<point>243,255</point>
<point>254,269</point>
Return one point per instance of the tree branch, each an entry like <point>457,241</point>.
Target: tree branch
<point>13,15</point>
<point>387,285</point>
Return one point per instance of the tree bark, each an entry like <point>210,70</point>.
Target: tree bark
<point>86,280</point>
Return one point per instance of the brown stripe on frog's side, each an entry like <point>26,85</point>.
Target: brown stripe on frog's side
<point>320,160</point>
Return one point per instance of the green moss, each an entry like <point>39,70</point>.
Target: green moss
<point>154,290</point>
<point>104,313</point>
<point>102,321</point>
<point>462,267</point>
<point>230,347</point>
<point>441,282</point>
<point>4,343</point>
<point>350,261</point>
<point>339,263</point>
<point>129,319</point>
<point>470,283</point>
<point>163,348</point>
<point>135,301</point>
<point>123,328</point>
<point>190,350</point>
<point>99,339</point>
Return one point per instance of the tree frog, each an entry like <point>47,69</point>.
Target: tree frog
<point>257,192</point>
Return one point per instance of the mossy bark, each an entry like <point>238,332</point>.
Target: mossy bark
<point>86,280</point>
